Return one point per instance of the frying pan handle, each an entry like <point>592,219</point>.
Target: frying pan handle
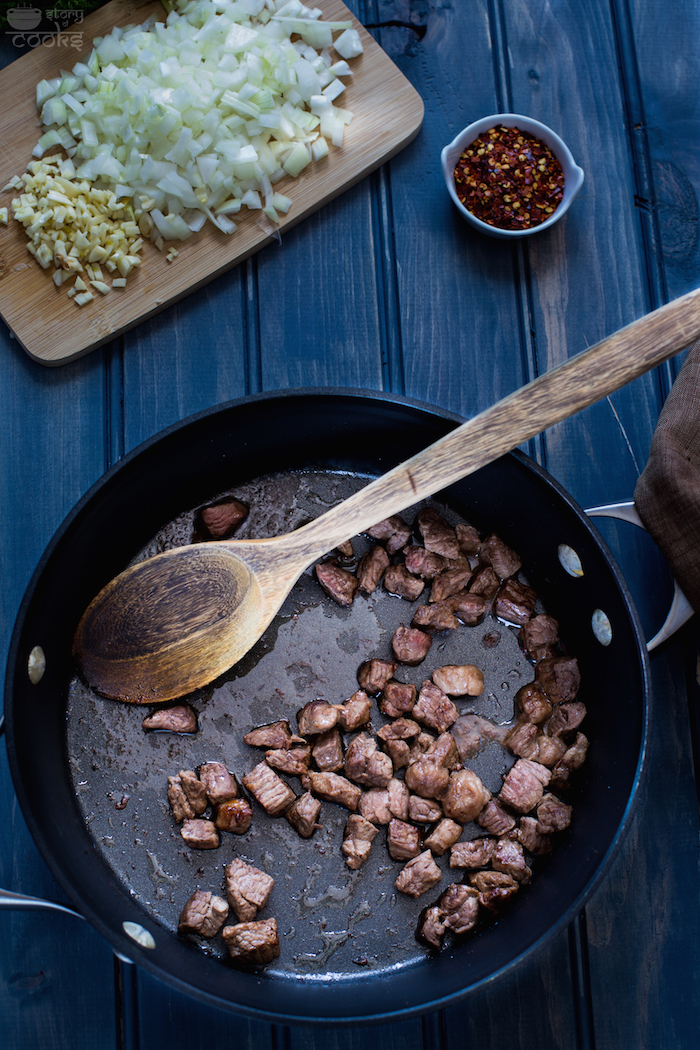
<point>681,610</point>
<point>21,902</point>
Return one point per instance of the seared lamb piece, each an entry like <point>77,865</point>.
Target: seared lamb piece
<point>268,789</point>
<point>424,563</point>
<point>427,777</point>
<point>508,856</point>
<point>402,840</point>
<point>331,787</point>
<point>434,708</point>
<point>398,798</point>
<point>366,764</point>
<point>338,583</point>
<point>318,716</point>
<point>502,558</point>
<point>276,734</point>
<point>252,943</point>
<point>476,853</point>
<point>373,675</point>
<point>443,836</point>
<point>354,712</point>
<point>220,520</point>
<point>293,760</point>
<point>304,813</point>
<point>531,839</point>
<point>465,796</point>
<point>200,834</point>
<point>423,810</point>
<point>565,718</point>
<point>393,532</point>
<point>550,749</point>
<point>398,580</point>
<point>522,740</point>
<point>410,645</point>
<point>540,636</point>
<point>515,602</point>
<point>178,719</point>
<point>431,928</point>
<point>459,679</point>
<point>371,569</point>
<point>523,785</point>
<point>436,617</point>
<point>420,746</point>
<point>345,552</point>
<point>437,535</point>
<point>420,874</point>
<point>459,907</point>
<point>234,815</point>
<point>560,678</point>
<point>399,729</point>
<point>468,607</point>
<point>494,888</point>
<point>397,698</point>
<point>399,752</point>
<point>357,840</point>
<point>187,795</point>
<point>552,815</point>
<point>203,914</point>
<point>468,539</point>
<point>218,782</point>
<point>484,582</point>
<point>327,752</point>
<point>444,750</point>
<point>533,704</point>
<point>472,732</point>
<point>495,819</point>
<point>449,583</point>
<point>247,888</point>
<point>572,759</point>
<point>374,806</point>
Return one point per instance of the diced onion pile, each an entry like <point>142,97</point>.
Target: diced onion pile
<point>186,121</point>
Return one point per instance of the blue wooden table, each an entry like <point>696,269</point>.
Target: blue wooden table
<point>387,288</point>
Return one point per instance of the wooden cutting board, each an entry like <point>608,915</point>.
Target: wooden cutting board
<point>387,114</point>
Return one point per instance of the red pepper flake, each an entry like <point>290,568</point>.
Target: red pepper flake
<point>509,179</point>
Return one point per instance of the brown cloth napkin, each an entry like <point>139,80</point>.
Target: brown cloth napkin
<point>667,495</point>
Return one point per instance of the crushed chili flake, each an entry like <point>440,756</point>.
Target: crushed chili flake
<point>509,179</point>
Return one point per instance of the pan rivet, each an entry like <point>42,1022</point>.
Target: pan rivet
<point>602,628</point>
<point>138,934</point>
<point>36,664</point>
<point>569,560</point>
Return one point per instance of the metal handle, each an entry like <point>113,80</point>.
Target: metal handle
<point>681,610</point>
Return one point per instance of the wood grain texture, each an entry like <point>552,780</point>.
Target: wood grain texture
<point>387,113</point>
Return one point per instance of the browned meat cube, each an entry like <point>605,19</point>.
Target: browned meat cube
<point>424,563</point>
<point>331,787</point>
<point>494,888</point>
<point>459,907</point>
<point>503,560</point>
<point>371,569</point>
<point>203,914</point>
<point>303,814</point>
<point>437,535</point>
<point>274,735</point>
<point>550,749</point>
<point>443,836</point>
<point>476,853</point>
<point>327,752</point>
<point>234,815</point>
<point>515,602</point>
<point>410,645</point>
<point>345,552</point>
<point>218,782</point>
<point>247,888</point>
<point>459,679</point>
<point>186,795</point>
<point>338,583</point>
<point>398,798</point>
<point>268,789</point>
<point>431,928</point>
<point>357,840</point>
<point>398,580</point>
<point>522,740</point>
<point>293,760</point>
<point>508,856</point>
<point>178,719</point>
<point>318,716</point>
<point>397,698</point>
<point>484,582</point>
<point>533,704</point>
<point>399,729</point>
<point>354,712</point>
<point>465,797</point>
<point>434,709</point>
<point>560,678</point>
<point>427,777</point>
<point>373,675</point>
<point>572,759</point>
<point>421,745</point>
<point>565,718</point>
<point>423,810</point>
<point>472,732</point>
<point>523,785</point>
<point>420,874</point>
<point>366,764</point>
<point>468,539</point>
<point>393,532</point>
<point>552,815</point>
<point>468,607</point>
<point>374,805</point>
<point>540,636</point>
<point>495,819</point>
<point>402,840</point>
<point>220,520</point>
<point>444,750</point>
<point>436,617</point>
<point>200,834</point>
<point>531,839</point>
<point>252,943</point>
<point>449,583</point>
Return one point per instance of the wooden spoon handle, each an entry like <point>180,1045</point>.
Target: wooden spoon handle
<point>556,395</point>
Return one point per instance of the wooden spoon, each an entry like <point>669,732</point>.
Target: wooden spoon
<point>172,624</point>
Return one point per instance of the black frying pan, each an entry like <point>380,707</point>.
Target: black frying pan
<point>357,434</point>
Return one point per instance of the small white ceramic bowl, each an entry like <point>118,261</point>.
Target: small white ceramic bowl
<point>573,175</point>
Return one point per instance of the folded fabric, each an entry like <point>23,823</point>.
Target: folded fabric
<point>667,495</point>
